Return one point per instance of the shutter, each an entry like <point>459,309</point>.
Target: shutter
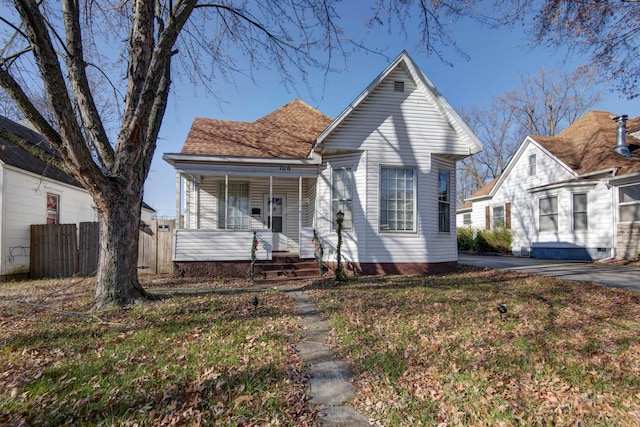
<point>507,215</point>
<point>487,217</point>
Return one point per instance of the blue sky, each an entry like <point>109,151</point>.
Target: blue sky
<point>498,59</point>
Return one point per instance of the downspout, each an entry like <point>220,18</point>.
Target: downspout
<point>226,201</point>
<point>299,214</point>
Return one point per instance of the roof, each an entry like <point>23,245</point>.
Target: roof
<point>484,190</point>
<point>587,144</point>
<point>288,132</point>
<point>463,131</point>
<point>13,155</point>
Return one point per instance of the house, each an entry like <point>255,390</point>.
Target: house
<point>575,195</point>
<point>33,192</point>
<point>387,162</point>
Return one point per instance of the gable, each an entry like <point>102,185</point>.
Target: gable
<point>384,117</point>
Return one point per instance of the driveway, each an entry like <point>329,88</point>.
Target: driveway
<point>619,276</point>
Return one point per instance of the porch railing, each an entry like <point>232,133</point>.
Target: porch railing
<point>319,251</point>
<point>254,249</point>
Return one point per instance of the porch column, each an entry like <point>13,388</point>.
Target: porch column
<point>269,220</point>
<point>178,200</point>
<point>226,200</point>
<point>299,214</point>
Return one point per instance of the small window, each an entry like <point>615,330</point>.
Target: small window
<point>532,165</point>
<point>53,212</point>
<point>630,203</point>
<point>398,86</point>
<point>498,217</point>
<point>466,219</point>
<point>548,209</point>
<point>444,202</point>
<point>580,218</point>
<point>341,196</point>
<point>397,199</point>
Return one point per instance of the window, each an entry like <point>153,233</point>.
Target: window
<point>580,211</point>
<point>532,165</point>
<point>397,199</point>
<point>237,212</point>
<point>548,209</point>
<point>630,203</point>
<point>444,202</point>
<point>53,212</point>
<point>498,217</point>
<point>466,219</point>
<point>341,195</point>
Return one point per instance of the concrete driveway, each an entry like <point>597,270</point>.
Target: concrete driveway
<point>620,276</point>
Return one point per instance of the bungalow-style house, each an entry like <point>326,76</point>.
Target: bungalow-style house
<point>387,162</point>
<point>575,195</point>
<point>33,192</point>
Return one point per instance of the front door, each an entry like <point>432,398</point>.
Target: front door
<point>275,216</point>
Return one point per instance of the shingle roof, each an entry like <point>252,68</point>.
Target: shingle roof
<point>13,155</point>
<point>587,144</point>
<point>288,132</point>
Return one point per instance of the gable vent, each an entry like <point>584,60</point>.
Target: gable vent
<point>398,86</point>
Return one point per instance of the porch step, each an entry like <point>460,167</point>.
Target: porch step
<point>285,268</point>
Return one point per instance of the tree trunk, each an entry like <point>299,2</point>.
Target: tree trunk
<point>117,277</point>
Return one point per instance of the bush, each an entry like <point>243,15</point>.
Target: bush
<point>493,240</point>
<point>465,238</point>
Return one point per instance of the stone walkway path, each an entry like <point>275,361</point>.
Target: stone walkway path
<point>330,387</point>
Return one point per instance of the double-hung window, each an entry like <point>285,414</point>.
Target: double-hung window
<point>341,195</point>
<point>630,203</point>
<point>466,219</point>
<point>397,199</point>
<point>498,217</point>
<point>53,211</point>
<point>236,200</point>
<point>580,221</point>
<point>444,202</point>
<point>548,212</point>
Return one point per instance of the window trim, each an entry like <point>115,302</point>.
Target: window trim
<point>493,217</point>
<point>533,165</point>
<point>622,204</point>
<point>585,212</point>
<point>224,206</point>
<point>557,214</point>
<point>334,169</point>
<point>414,229</point>
<point>54,210</point>
<point>446,202</point>
<point>466,219</point>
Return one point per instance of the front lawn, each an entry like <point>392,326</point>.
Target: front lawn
<point>435,350</point>
<point>186,360</point>
<point>425,350</point>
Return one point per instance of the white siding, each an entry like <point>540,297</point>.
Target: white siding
<point>24,201</point>
<point>395,129</point>
<point>518,188</point>
<point>219,245</point>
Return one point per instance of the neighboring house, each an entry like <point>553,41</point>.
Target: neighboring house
<point>570,196</point>
<point>32,192</point>
<point>388,162</point>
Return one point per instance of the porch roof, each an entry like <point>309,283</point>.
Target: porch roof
<point>288,132</point>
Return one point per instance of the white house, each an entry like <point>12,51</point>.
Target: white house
<point>388,162</point>
<point>572,196</point>
<point>32,192</point>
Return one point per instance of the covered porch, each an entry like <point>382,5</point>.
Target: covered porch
<point>222,207</point>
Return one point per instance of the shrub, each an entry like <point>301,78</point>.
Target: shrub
<point>465,238</point>
<point>493,240</point>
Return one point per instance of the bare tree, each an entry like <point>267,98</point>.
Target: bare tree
<point>607,32</point>
<point>544,104</point>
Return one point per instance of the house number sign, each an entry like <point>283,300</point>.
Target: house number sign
<point>285,168</point>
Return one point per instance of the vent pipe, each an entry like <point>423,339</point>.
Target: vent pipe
<point>621,137</point>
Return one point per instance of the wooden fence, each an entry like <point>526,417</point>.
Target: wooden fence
<point>59,250</point>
